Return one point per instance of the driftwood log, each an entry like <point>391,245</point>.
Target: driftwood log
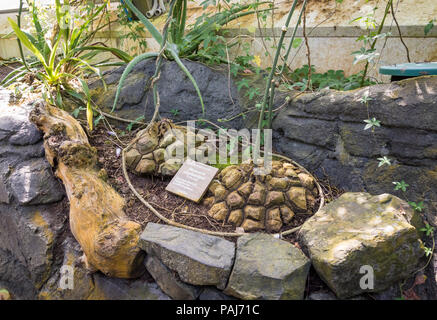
<point>97,219</point>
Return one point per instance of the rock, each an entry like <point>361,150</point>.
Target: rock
<point>29,239</point>
<point>218,211</point>
<point>33,183</point>
<point>94,286</point>
<point>147,143</point>
<point>256,213</point>
<point>274,198</point>
<point>322,295</point>
<point>259,274</point>
<point>298,197</point>
<point>273,220</point>
<point>170,167</point>
<point>132,158</point>
<point>234,200</point>
<point>168,282</point>
<point>214,294</point>
<point>4,193</point>
<point>198,259</point>
<point>221,97</point>
<point>14,124</point>
<point>123,289</point>
<point>145,166</point>
<point>358,230</point>
<point>250,225</point>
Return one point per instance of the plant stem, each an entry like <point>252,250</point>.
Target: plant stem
<point>387,8</point>
<point>292,37</point>
<point>268,90</point>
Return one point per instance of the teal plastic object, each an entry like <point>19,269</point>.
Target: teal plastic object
<point>410,69</point>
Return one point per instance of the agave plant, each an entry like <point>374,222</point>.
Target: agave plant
<point>170,50</point>
<point>182,43</point>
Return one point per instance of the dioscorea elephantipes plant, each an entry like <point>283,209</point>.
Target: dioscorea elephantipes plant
<point>63,58</point>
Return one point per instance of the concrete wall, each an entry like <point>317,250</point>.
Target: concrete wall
<point>331,42</point>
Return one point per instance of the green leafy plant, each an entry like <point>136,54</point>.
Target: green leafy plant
<point>416,206</point>
<point>135,30</point>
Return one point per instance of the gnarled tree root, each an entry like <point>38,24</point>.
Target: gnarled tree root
<point>97,219</point>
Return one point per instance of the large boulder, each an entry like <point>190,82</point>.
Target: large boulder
<point>358,231</point>
<point>197,258</point>
<point>268,268</point>
<point>178,98</point>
